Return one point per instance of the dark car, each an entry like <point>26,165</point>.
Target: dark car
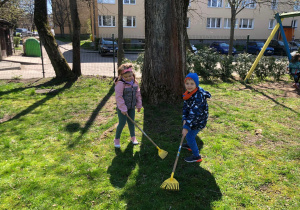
<point>279,48</point>
<point>255,48</point>
<point>107,47</point>
<point>294,45</point>
<point>222,47</point>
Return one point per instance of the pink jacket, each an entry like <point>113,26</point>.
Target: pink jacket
<point>128,97</point>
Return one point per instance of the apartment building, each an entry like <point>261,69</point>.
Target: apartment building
<point>208,20</point>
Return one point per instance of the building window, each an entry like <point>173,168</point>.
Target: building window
<point>294,23</point>
<point>213,23</point>
<point>227,23</point>
<point>214,3</point>
<point>106,2</point>
<point>129,21</point>
<point>188,23</point>
<point>106,21</point>
<point>250,4</point>
<point>128,1</point>
<point>274,4</point>
<point>297,5</point>
<point>246,24</point>
<point>272,23</point>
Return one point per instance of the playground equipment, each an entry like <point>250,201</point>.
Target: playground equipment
<point>279,18</point>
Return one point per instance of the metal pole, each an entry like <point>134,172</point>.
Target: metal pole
<point>247,43</point>
<point>42,58</point>
<point>113,40</point>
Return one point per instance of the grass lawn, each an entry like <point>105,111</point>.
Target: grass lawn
<point>56,149</point>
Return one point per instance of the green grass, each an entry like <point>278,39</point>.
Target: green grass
<point>56,150</point>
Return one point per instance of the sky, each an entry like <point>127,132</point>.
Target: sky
<point>49,8</point>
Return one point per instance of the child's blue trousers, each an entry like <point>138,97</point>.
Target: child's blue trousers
<point>122,122</point>
<point>191,140</point>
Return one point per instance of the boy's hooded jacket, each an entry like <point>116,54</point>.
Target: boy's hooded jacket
<point>127,96</point>
<point>195,109</point>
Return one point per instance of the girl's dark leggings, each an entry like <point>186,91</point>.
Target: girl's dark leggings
<point>122,122</point>
<point>296,77</point>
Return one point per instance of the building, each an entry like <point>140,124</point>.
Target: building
<point>208,20</point>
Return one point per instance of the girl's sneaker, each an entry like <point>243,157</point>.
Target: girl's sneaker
<point>193,159</point>
<point>134,141</point>
<point>117,143</point>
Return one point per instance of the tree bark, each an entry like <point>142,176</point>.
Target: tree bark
<point>165,51</point>
<point>232,22</point>
<point>120,32</point>
<point>76,38</point>
<point>59,63</point>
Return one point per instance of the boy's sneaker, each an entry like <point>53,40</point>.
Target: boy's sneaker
<point>186,146</point>
<point>193,159</point>
<point>134,141</point>
<point>117,143</point>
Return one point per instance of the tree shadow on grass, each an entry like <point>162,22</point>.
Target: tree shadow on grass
<point>49,96</point>
<point>89,123</point>
<point>198,187</point>
<point>121,166</point>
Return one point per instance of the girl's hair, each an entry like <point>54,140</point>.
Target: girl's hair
<point>122,68</point>
<point>295,58</point>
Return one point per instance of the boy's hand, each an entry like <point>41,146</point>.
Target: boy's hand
<point>124,113</point>
<point>138,109</point>
<point>184,132</point>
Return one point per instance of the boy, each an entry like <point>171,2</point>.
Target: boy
<point>195,114</point>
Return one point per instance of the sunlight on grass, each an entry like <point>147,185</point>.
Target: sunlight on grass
<point>57,151</point>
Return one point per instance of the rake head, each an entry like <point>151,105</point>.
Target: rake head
<point>162,153</point>
<point>170,184</point>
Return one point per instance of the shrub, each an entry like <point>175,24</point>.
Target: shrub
<point>279,68</point>
<point>262,69</point>
<point>17,41</point>
<point>243,64</point>
<point>205,63</point>
<point>226,67</point>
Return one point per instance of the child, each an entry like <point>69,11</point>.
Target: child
<point>128,96</point>
<point>195,114</point>
<point>294,67</point>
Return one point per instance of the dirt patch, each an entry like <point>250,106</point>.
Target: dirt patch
<point>5,118</point>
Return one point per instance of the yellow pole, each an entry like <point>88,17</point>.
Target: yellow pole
<point>261,52</point>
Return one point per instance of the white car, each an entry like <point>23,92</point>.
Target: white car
<point>195,50</point>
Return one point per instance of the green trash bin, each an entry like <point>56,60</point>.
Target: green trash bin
<point>32,47</point>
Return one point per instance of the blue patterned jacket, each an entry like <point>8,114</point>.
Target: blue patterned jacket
<point>195,110</point>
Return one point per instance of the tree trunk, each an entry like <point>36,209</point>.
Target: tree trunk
<point>59,63</point>
<point>232,22</point>
<point>76,38</point>
<point>165,51</point>
<point>120,32</point>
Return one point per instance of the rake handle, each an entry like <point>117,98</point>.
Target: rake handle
<point>178,153</point>
<point>141,130</point>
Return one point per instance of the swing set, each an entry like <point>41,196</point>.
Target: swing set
<point>279,18</point>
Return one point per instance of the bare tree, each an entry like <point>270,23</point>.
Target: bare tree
<point>237,6</point>
<point>76,37</point>
<point>165,50</point>
<point>60,9</point>
<point>120,32</point>
<point>59,63</point>
<point>27,18</point>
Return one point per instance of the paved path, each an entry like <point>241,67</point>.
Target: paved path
<point>24,67</point>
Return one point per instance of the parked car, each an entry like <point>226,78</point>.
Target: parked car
<point>194,49</point>
<point>294,45</point>
<point>279,48</point>
<point>22,31</point>
<point>105,47</point>
<point>255,48</point>
<point>222,47</point>
<point>35,33</point>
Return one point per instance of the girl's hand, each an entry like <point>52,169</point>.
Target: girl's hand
<point>138,109</point>
<point>184,122</point>
<point>124,113</point>
<point>184,132</point>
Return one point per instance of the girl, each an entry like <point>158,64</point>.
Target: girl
<point>128,96</point>
<point>294,67</point>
